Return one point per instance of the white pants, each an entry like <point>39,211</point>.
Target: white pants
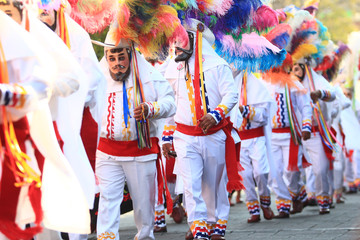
<point>201,164</point>
<point>253,159</point>
<point>320,164</point>
<point>310,181</point>
<point>357,163</point>
<point>339,165</point>
<point>349,170</point>
<point>140,178</point>
<point>284,180</point>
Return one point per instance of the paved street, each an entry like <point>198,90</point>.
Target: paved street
<point>342,223</point>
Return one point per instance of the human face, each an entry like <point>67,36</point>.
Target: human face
<point>348,93</point>
<point>298,71</point>
<point>118,60</point>
<point>48,17</point>
<point>8,7</point>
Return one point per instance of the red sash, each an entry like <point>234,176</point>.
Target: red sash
<point>251,133</point>
<point>231,150</point>
<point>89,135</point>
<point>328,151</point>
<point>293,151</point>
<point>9,194</point>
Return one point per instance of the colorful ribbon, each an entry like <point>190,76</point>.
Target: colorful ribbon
<point>326,135</point>
<point>64,33</point>
<point>125,105</point>
<point>142,126</point>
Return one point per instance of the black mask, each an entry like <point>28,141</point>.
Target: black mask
<point>186,54</point>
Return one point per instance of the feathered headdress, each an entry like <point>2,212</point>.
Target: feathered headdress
<point>151,25</point>
<point>93,15</point>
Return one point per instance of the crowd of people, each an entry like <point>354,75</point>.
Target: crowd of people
<point>191,102</point>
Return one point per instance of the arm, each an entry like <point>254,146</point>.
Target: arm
<point>255,113</point>
<point>304,106</point>
<point>228,92</point>
<point>324,95</point>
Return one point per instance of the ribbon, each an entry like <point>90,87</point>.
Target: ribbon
<point>142,126</point>
<point>196,82</point>
<point>64,33</point>
<point>125,105</point>
<point>326,135</point>
<point>294,125</point>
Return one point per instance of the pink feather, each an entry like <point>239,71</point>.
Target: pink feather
<point>265,18</point>
<point>93,16</point>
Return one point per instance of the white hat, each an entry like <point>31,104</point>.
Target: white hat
<point>110,42</point>
<point>193,25</point>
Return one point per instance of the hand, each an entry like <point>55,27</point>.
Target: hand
<point>65,87</point>
<point>315,95</point>
<point>306,135</point>
<point>241,108</point>
<point>207,122</point>
<point>166,148</point>
<point>141,112</point>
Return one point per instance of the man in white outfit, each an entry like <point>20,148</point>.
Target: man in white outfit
<point>118,157</point>
<point>201,134</point>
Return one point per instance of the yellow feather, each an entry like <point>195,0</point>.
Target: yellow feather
<point>302,51</point>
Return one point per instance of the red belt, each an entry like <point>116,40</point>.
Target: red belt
<point>251,133</point>
<point>281,130</point>
<point>127,148</point>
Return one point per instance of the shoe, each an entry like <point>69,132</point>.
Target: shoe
<point>178,214</point>
<point>254,219</point>
<point>352,191</point>
<point>282,215</point>
<point>297,207</point>
<point>305,203</point>
<point>323,211</point>
<point>312,202</point>
<point>217,237</point>
<point>189,235</point>
<point>267,212</point>
<point>340,200</point>
<point>160,229</point>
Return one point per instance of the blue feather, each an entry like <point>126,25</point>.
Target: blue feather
<point>282,40</point>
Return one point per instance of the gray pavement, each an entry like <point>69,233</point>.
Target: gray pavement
<point>342,223</point>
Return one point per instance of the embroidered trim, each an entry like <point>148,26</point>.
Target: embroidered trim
<point>253,207</point>
<point>220,227</point>
<point>160,218</point>
<point>283,205</point>
<point>323,201</point>
<point>168,133</point>
<point>265,201</point>
<point>219,113</point>
<point>199,229</point>
<point>106,235</point>
<point>306,125</point>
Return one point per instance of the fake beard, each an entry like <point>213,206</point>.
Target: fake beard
<point>120,77</point>
<point>186,54</point>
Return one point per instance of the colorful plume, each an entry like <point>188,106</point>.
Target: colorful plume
<point>150,25</point>
<point>254,53</point>
<point>93,15</point>
<point>279,35</point>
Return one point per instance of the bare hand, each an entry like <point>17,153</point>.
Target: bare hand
<point>166,148</point>
<point>315,95</point>
<point>207,122</point>
<point>306,135</point>
<point>140,112</point>
<point>241,108</point>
